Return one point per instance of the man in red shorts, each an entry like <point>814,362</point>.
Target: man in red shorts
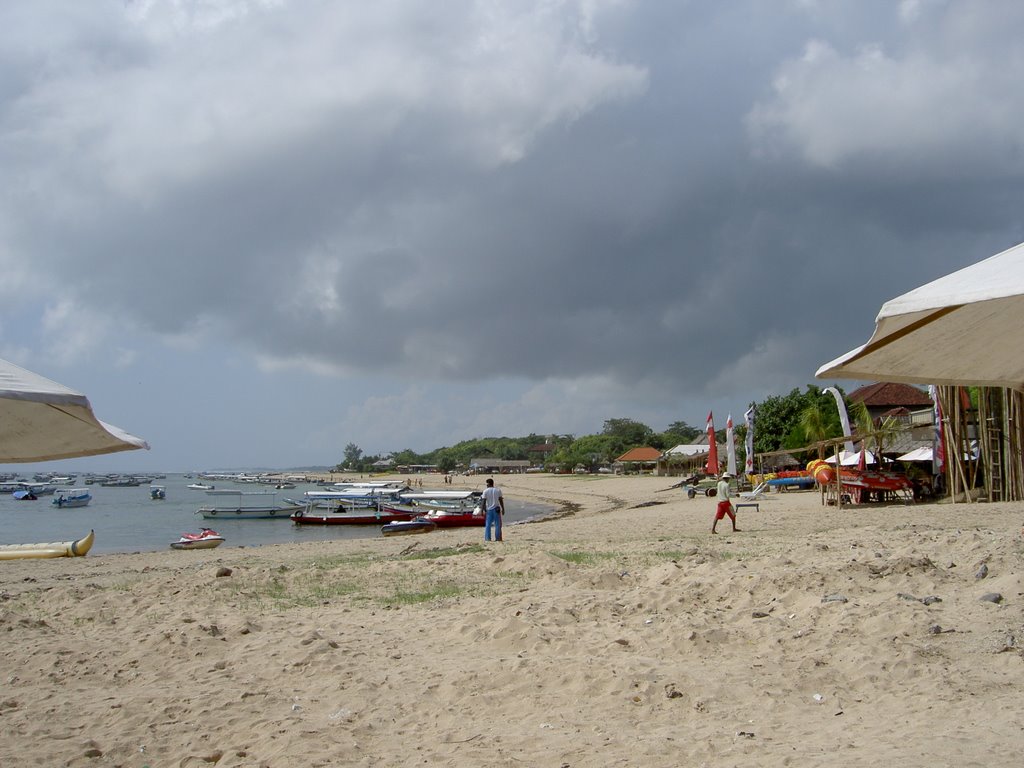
<point>724,505</point>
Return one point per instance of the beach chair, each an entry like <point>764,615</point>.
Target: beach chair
<point>755,494</point>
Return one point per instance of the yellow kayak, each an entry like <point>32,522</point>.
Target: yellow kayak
<point>52,549</point>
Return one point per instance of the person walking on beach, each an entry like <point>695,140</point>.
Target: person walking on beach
<point>724,505</point>
<point>494,504</point>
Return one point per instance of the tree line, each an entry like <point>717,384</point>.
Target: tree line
<point>783,422</point>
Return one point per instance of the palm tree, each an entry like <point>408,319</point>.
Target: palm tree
<point>814,423</point>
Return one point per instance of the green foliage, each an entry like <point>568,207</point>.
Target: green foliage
<point>781,420</point>
<point>352,454</point>
<point>680,433</point>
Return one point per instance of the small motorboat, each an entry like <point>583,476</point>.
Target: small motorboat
<point>408,527</point>
<point>72,497</point>
<point>205,539</point>
<point>201,487</point>
<point>25,495</point>
<point>157,492</point>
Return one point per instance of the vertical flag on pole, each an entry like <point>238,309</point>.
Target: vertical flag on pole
<point>730,447</point>
<point>749,463</point>
<point>938,442</point>
<point>711,467</point>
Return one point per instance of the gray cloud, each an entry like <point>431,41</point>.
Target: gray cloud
<point>702,200</point>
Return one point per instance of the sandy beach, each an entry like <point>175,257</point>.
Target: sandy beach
<point>620,634</point>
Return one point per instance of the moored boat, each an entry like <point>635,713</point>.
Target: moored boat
<point>71,497</point>
<point>157,492</point>
<point>408,527</point>
<point>380,516</point>
<point>446,518</point>
<point>246,505</point>
<point>205,539</point>
<point>76,548</point>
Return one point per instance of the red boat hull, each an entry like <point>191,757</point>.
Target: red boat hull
<point>456,521</point>
<point>383,517</point>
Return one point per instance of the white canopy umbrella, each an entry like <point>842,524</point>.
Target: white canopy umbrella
<point>918,454</point>
<point>851,459</point>
<point>926,454</point>
<point>41,420</point>
<point>963,328</point>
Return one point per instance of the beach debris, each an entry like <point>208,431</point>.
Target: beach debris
<point>671,692</point>
<point>991,597</point>
<point>835,598</point>
<point>982,572</point>
<point>759,615</point>
<point>622,641</point>
<point>929,600</point>
<point>818,698</point>
<point>92,749</point>
<point>223,571</point>
<point>1009,644</point>
<point>935,629</point>
<point>745,734</point>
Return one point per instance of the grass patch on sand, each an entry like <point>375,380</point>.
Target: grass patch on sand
<point>587,558</point>
<point>390,580</point>
<point>433,554</point>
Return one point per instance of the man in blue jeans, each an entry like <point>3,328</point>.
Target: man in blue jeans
<point>494,504</point>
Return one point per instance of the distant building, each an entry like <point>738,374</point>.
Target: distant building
<point>639,459</point>
<point>485,464</point>
<point>687,458</point>
<point>891,399</point>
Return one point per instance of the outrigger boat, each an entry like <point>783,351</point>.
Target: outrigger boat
<point>205,539</point>
<point>76,548</point>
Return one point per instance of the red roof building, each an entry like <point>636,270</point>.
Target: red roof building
<point>643,454</point>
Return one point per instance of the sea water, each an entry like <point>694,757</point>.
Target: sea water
<point>127,519</point>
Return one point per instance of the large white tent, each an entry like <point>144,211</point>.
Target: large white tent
<point>964,328</point>
<point>41,420</point>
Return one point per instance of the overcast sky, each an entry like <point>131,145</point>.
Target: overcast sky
<point>254,231</point>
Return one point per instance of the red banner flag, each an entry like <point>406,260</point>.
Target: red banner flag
<point>711,467</point>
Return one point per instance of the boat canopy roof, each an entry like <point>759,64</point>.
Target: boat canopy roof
<point>425,495</point>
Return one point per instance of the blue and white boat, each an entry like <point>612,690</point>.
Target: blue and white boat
<point>71,497</point>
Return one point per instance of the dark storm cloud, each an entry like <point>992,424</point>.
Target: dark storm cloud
<point>706,197</point>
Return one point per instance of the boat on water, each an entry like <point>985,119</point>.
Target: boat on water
<point>207,538</point>
<point>24,495</point>
<point>381,516</point>
<point>201,487</point>
<point>446,509</point>
<point>246,505</point>
<point>354,495</point>
<point>76,548</point>
<point>157,492</point>
<point>408,527</point>
<point>71,497</point>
